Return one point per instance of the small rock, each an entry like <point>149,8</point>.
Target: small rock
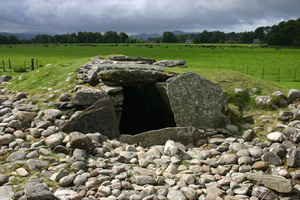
<point>248,135</point>
<point>260,165</point>
<point>176,194</point>
<point>67,180</point>
<point>22,172</point>
<point>6,192</point>
<point>276,137</point>
<point>3,179</point>
<point>67,194</point>
<point>293,159</point>
<point>35,190</point>
<point>226,159</point>
<point>143,180</point>
<point>271,158</point>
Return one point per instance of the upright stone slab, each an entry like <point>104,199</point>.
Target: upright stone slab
<point>100,117</point>
<point>197,102</point>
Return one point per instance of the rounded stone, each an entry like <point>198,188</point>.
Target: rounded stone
<point>3,179</point>
<point>245,160</point>
<point>35,132</point>
<point>260,165</point>
<point>52,142</point>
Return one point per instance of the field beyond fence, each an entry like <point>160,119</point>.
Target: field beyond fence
<point>19,66</point>
<point>268,63</point>
<point>267,73</point>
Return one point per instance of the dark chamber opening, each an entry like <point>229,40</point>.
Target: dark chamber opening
<point>144,110</point>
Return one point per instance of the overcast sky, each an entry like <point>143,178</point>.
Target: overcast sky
<point>138,16</point>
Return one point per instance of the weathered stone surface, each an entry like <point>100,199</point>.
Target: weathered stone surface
<point>6,139</point>
<point>100,117</point>
<point>36,165</point>
<point>26,107</point>
<point>87,96</point>
<point>38,191</point>
<point>80,141</point>
<point>197,102</point>
<point>134,76</point>
<point>293,134</point>
<point>55,113</point>
<point>271,158</point>
<point>5,78</point>
<point>132,58</point>
<point>293,95</point>
<point>176,194</point>
<point>16,156</point>
<point>6,192</point>
<point>3,179</point>
<point>25,115</point>
<point>67,194</point>
<point>259,191</point>
<point>169,63</point>
<point>277,183</point>
<point>263,100</point>
<point>293,159</point>
<point>276,137</point>
<point>185,135</point>
<point>89,73</point>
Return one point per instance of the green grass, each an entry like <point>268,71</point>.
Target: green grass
<point>221,64</point>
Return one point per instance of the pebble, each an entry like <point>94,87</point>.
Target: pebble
<point>90,166</point>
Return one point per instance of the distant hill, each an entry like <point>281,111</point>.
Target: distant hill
<point>145,36</point>
<point>21,36</point>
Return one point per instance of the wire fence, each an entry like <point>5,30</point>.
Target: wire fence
<point>19,66</point>
<point>280,74</point>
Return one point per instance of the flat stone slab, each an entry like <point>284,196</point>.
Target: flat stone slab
<point>185,135</point>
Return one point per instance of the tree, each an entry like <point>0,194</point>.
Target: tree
<point>110,37</point>
<point>123,37</point>
<point>14,39</point>
<point>4,39</point>
<point>169,37</point>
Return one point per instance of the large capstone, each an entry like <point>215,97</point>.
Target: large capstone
<point>196,101</point>
<point>133,76</point>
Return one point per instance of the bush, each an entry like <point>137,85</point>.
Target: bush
<point>241,99</point>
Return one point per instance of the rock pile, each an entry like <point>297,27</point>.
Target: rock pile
<point>41,161</point>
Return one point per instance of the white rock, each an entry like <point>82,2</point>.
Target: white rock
<point>276,137</point>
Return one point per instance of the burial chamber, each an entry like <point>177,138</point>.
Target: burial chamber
<point>133,99</point>
<point>143,109</point>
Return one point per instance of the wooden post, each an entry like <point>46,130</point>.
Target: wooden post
<point>32,64</point>
<point>9,65</point>
<point>3,64</point>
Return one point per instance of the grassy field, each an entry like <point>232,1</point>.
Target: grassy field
<point>226,61</point>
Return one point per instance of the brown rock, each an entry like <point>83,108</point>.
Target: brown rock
<point>260,165</point>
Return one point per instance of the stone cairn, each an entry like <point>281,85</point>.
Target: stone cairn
<point>39,160</point>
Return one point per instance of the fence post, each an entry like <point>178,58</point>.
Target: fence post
<point>9,65</point>
<point>32,64</point>
<point>263,73</point>
<point>3,64</point>
<point>278,74</point>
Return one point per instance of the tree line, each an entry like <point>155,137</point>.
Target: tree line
<point>286,33</point>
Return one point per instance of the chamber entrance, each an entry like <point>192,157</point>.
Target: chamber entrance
<point>144,110</point>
